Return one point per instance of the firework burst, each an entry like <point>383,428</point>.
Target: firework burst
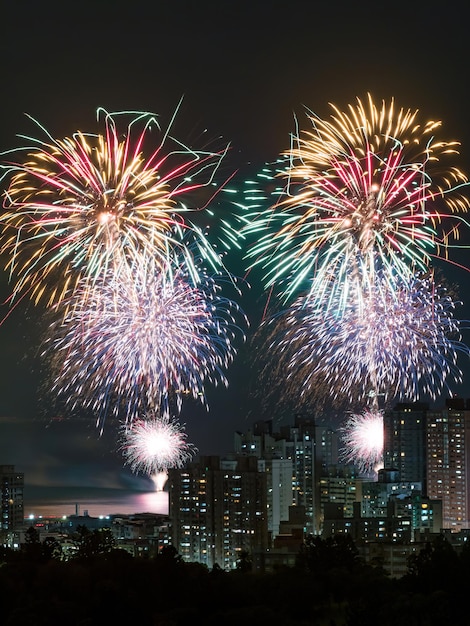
<point>78,206</point>
<point>400,342</point>
<point>144,340</point>
<point>363,439</point>
<point>155,444</point>
<point>365,191</point>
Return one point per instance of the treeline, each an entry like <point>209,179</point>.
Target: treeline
<point>329,586</point>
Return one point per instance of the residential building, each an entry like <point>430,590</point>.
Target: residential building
<point>279,491</point>
<point>448,462</point>
<point>366,529</point>
<point>297,444</point>
<point>405,441</point>
<point>339,488</point>
<point>377,494</point>
<point>218,509</point>
<point>11,490</point>
<point>300,448</point>
<point>433,447</point>
<point>286,545</point>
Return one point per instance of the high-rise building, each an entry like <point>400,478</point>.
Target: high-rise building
<point>377,494</point>
<point>217,510</point>
<point>390,497</point>
<point>448,462</point>
<point>405,441</point>
<point>340,489</point>
<point>259,441</point>
<point>296,444</point>
<point>270,450</point>
<point>11,486</point>
<point>433,447</point>
<point>300,448</point>
<point>312,450</point>
<point>327,448</point>
<point>279,491</point>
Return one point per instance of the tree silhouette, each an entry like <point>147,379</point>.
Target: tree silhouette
<point>321,555</point>
<point>244,562</point>
<point>93,543</point>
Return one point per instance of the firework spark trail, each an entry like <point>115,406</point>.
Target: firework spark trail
<point>399,340</point>
<point>363,438</point>
<point>145,339</point>
<point>363,190</point>
<point>155,444</point>
<point>77,206</point>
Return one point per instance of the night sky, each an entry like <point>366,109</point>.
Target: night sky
<point>243,69</point>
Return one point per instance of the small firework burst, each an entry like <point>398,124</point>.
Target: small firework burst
<point>155,444</point>
<point>363,438</point>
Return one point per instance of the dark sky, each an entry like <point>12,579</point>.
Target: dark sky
<point>244,69</point>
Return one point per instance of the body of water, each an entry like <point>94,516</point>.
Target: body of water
<point>60,501</point>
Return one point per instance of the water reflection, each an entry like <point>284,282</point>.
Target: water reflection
<point>153,502</point>
<point>98,503</point>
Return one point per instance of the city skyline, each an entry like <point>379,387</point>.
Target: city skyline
<point>243,74</point>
